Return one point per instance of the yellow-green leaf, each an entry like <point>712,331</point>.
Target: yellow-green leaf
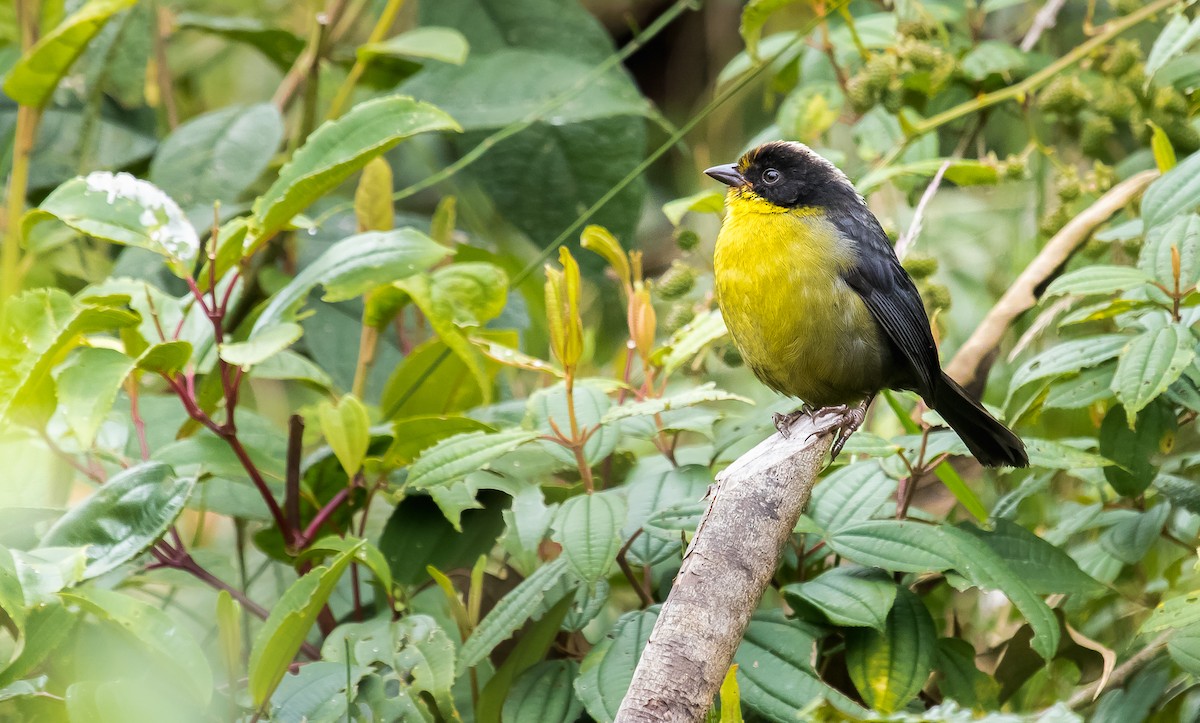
<point>373,197</point>
<point>346,426</point>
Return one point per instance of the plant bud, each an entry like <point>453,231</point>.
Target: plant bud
<point>1065,95</point>
<point>920,266</point>
<point>687,239</point>
<point>732,356</point>
<point>676,282</point>
<point>678,317</point>
<point>1095,134</point>
<point>642,322</point>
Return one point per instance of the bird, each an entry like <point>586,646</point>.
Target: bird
<point>816,301</point>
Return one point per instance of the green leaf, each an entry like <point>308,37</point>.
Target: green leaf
<point>1068,357</point>
<point>607,670</point>
<point>375,211</point>
<point>337,149</point>
<point>292,366</point>
<point>216,156</point>
<point>1135,533</point>
<point>684,344</point>
<point>851,494</point>
<point>1184,648</point>
<point>346,427</point>
<point>316,692</point>
<point>87,387</point>
<point>285,629</point>
<point>229,633</point>
<point>958,678</point>
<point>455,457</point>
<point>963,493</point>
<point>775,675</point>
<point>959,171</point>
<point>548,409</point>
<point>853,596</point>
<point>35,76</point>
<point>654,485</point>
<point>1099,279</point>
<point>588,527</point>
<point>706,392</point>
<point>529,651</point>
<point>1045,568</point>
<point>895,545</point>
<point>1174,614</point>
<point>262,346</point>
<point>731,698</point>
<point>353,266</point>
<point>1134,450</point>
<point>702,202</point>
<point>445,45</point>
<point>166,358</point>
<point>1175,38</point>
<point>469,293</point>
<point>526,601</point>
<point>1183,233</point>
<point>1056,455</point>
<point>1160,144</point>
<point>124,517</point>
<point>1151,363</point>
<point>364,554</point>
<point>993,57</point>
<point>49,625</point>
<point>121,209</point>
<point>544,694</point>
<point>754,17</point>
<point>1081,390</point>
<point>414,435</point>
<point>170,644</point>
<point>1182,492</point>
<point>889,667</point>
<point>278,45</point>
<point>1172,193</point>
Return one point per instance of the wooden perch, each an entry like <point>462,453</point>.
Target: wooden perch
<point>975,355</point>
<point>752,510</point>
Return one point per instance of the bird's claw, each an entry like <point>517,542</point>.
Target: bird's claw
<point>842,420</point>
<point>784,422</point>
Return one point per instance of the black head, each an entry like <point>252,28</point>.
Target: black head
<point>787,174</point>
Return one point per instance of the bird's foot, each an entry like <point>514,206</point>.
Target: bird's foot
<point>784,422</point>
<point>842,420</point>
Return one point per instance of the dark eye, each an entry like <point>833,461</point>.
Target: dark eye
<point>771,176</point>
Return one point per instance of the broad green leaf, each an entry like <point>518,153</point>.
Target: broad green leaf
<point>346,427</point>
<point>43,572</point>
<point>1067,357</point>
<point>1057,455</point>
<point>316,692</point>
<point>1097,280</point>
<point>588,527</point>
<point>166,358</point>
<point>12,596</point>
<point>432,380</point>
<point>124,517</point>
<point>1045,568</point>
<point>352,267</point>
<point>216,156</point>
<point>706,392</point>
<point>1135,533</point>
<point>1150,364</point>
<point>702,202</point>
<point>416,648</point>
<point>775,675</point>
<point>49,625</point>
<point>420,534</point>
<point>993,57</point>
<point>754,17</point>
<point>87,387</point>
<point>958,487</point>
<point>333,152</point>
<point>229,633</point>
<point>1172,193</point>
<point>121,209</point>
<point>455,457</point>
<point>1182,492</point>
<point>170,644</point>
<point>889,667</point>
<point>469,293</point>
<point>1134,450</point>
<point>607,669</point>
<point>959,679</point>
<point>544,694</point>
<point>851,494</point>
<point>412,436</point>
<point>35,76</point>
<point>445,45</point>
<point>290,365</point>
<point>548,409</point>
<point>24,688</point>
<point>529,651</point>
<point>1175,38</point>
<point>278,45</point>
<point>526,601</point>
<point>895,545</point>
<point>291,618</point>
<point>1174,614</point>
<point>1081,390</point>
<point>655,485</point>
<point>731,697</point>
<point>373,206</point>
<point>1160,144</point>
<point>1184,648</point>
<point>853,596</point>
<point>1182,233</point>
<point>364,554</point>
<point>684,344</point>
<point>262,346</point>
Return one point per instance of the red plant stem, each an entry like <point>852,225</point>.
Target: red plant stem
<point>256,477</point>
<point>139,424</point>
<point>322,516</point>
<point>291,495</point>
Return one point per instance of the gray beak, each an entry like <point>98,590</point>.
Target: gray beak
<point>727,174</point>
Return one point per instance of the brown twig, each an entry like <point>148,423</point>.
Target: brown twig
<point>308,58</point>
<point>974,356</point>
<point>162,71</point>
<point>642,593</point>
<point>1043,21</point>
<point>291,495</point>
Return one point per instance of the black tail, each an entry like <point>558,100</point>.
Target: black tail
<point>993,444</point>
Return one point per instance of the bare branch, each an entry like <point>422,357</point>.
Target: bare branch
<point>1043,21</point>
<point>752,510</point>
<point>914,228</point>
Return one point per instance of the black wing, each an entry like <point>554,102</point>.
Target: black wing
<point>892,297</point>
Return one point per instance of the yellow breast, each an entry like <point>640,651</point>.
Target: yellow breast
<point>800,328</point>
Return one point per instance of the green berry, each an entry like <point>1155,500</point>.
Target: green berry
<point>1013,167</point>
<point>1182,135</point>
<point>1170,101</point>
<point>1095,134</point>
<point>893,96</point>
<point>918,29</point>
<point>679,316</point>
<point>860,94</point>
<point>937,297</point>
<point>687,239</point>
<point>923,55</point>
<point>676,282</point>
<point>1115,101</point>
<point>1121,57</point>
<point>880,70</point>
<point>1053,221</point>
<point>920,266</point>
<point>732,356</point>
<point>1065,95</point>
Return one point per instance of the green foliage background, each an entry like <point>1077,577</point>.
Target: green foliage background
<point>298,423</point>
